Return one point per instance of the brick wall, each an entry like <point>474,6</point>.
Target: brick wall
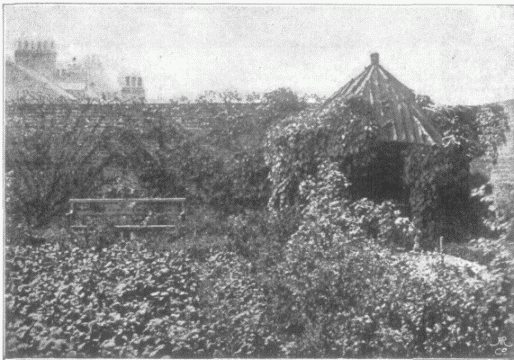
<point>503,172</point>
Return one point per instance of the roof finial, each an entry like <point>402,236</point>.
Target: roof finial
<point>374,58</point>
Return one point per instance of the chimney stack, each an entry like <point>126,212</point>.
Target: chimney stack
<point>374,58</point>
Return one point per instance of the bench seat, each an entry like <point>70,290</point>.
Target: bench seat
<point>118,210</point>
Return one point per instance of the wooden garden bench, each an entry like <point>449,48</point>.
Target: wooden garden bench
<point>130,216</point>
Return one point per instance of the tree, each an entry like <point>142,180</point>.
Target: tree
<point>237,129</point>
<point>54,152</point>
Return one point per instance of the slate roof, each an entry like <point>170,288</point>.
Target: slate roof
<point>393,104</point>
<point>23,78</point>
<point>73,86</point>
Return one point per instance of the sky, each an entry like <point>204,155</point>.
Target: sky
<point>454,54</point>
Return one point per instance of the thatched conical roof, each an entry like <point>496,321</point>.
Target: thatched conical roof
<point>393,104</point>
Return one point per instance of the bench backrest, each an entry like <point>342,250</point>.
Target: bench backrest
<point>125,212</point>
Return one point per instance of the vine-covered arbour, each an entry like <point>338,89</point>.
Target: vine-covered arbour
<point>397,121</point>
<point>391,145</point>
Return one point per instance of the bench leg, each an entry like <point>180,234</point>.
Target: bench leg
<point>125,235</point>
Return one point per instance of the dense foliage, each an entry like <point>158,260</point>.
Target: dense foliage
<point>323,271</point>
<point>210,151</point>
<point>117,302</point>
<point>297,148</point>
<point>353,296</point>
<point>440,177</point>
<point>237,130</point>
<point>431,183</point>
<point>54,152</point>
<point>339,289</point>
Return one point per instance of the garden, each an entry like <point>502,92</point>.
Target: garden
<point>285,249</point>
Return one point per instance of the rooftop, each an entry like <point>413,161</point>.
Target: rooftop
<point>394,105</point>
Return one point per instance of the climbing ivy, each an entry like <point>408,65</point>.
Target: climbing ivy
<point>439,176</point>
<point>344,132</point>
<point>432,182</point>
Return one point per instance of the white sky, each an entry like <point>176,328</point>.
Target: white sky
<point>457,54</point>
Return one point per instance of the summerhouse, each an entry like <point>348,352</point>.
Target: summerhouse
<point>401,121</point>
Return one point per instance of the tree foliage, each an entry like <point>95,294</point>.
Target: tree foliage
<point>210,151</point>
<point>53,153</point>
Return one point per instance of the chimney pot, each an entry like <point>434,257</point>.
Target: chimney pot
<point>374,58</point>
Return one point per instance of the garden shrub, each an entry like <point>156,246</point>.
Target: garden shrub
<point>202,221</point>
<point>331,210</point>
<point>353,298</point>
<point>237,131</point>
<point>385,223</point>
<point>117,302</point>
<point>340,292</point>
<point>73,302</point>
<point>236,308</point>
<point>260,235</point>
<point>334,292</point>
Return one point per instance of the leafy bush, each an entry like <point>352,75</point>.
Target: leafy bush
<point>502,206</point>
<point>260,236</point>
<point>333,293</point>
<point>237,128</point>
<point>385,223</point>
<point>340,292</point>
<point>67,301</point>
<point>350,297</point>
<point>236,308</point>
<point>54,152</point>
<point>329,210</point>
